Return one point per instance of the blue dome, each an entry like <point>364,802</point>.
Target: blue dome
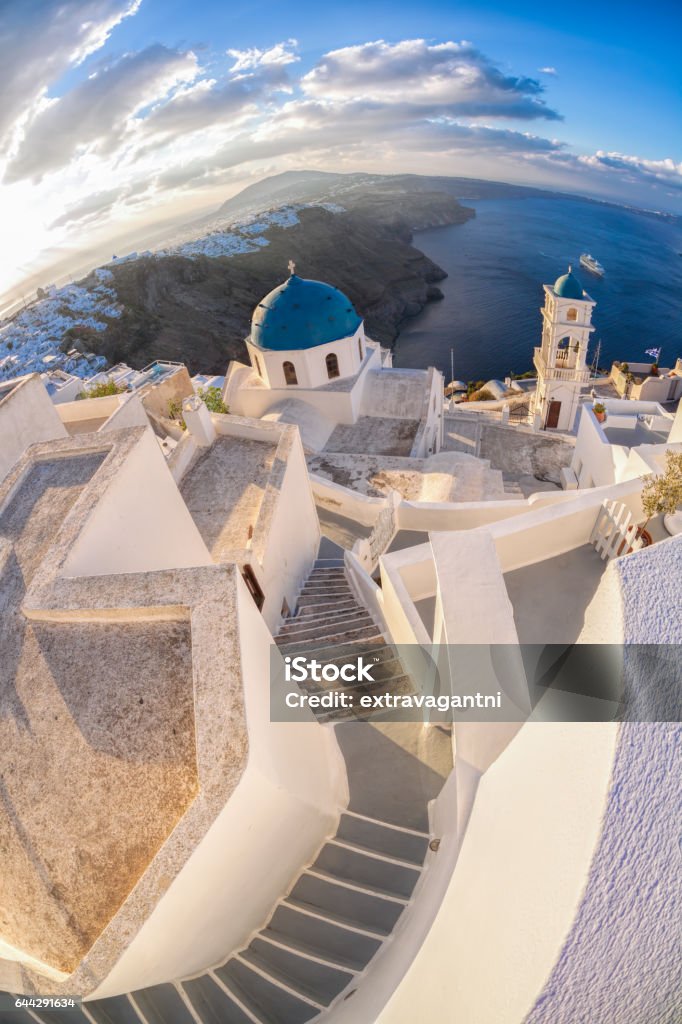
<point>302,314</point>
<point>568,286</point>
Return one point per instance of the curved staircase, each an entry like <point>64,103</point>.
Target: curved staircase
<point>324,933</point>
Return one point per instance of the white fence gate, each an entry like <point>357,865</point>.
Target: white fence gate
<point>614,533</point>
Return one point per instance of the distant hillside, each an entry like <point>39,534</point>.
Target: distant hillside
<point>197,309</point>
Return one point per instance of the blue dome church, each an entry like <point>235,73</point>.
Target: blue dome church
<point>311,364</point>
<point>305,334</point>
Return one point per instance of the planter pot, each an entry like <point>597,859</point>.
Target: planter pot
<point>601,416</point>
<point>640,532</point>
<point>673,523</point>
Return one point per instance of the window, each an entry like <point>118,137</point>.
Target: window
<point>332,365</point>
<point>362,354</point>
<point>258,369</point>
<point>289,373</point>
<point>572,314</point>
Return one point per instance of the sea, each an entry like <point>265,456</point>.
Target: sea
<point>498,261</point>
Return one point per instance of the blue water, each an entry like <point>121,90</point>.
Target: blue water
<point>498,262</point>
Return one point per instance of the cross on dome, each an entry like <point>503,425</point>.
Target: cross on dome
<point>292,267</point>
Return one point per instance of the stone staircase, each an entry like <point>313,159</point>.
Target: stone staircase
<point>325,931</point>
<point>330,624</point>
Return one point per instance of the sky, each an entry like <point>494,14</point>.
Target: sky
<point>121,118</point>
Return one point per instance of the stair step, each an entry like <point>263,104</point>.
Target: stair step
<point>323,622</point>
<point>379,855</point>
<point>212,1004</point>
<point>398,685</point>
<point>356,866</point>
<point>113,1010</point>
<point>305,646</point>
<point>321,630</point>
<point>374,931</point>
<point>319,937</point>
<point>322,582</point>
<point>374,835</point>
<point>327,590</point>
<point>349,906</point>
<point>268,1001</point>
<point>324,596</point>
<point>324,562</point>
<point>365,646</point>
<point>312,977</point>
<point>163,1003</point>
<point>314,610</point>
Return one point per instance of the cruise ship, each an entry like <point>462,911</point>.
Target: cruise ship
<point>590,263</point>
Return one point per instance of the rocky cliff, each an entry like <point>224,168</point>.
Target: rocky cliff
<point>197,310</point>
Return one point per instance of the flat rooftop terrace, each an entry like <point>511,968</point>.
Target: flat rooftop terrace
<point>549,598</point>
<point>632,437</point>
<point>97,756</point>
<point>224,491</point>
<point>377,435</point>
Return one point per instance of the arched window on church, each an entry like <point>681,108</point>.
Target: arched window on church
<point>289,373</point>
<point>362,354</point>
<point>332,365</point>
<point>572,314</point>
<point>258,369</point>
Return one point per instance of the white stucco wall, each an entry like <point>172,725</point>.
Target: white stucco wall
<point>27,415</point>
<point>141,522</point>
<point>620,962</point>
<point>293,538</point>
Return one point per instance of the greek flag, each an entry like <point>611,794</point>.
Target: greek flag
<point>655,352</point>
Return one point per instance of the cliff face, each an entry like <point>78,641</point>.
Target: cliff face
<point>198,310</point>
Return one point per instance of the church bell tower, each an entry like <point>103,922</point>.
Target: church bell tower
<point>561,359</point>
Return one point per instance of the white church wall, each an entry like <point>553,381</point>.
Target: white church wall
<point>292,792</point>
<point>309,363</point>
<point>26,415</point>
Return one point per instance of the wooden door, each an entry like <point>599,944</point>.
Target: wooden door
<point>553,415</point>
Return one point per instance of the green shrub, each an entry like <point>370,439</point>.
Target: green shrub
<point>102,389</point>
<point>213,399</point>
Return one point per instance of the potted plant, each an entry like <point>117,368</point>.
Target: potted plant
<point>662,493</point>
<point>654,370</point>
<point>599,410</point>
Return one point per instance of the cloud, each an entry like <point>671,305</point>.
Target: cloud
<point>96,113</point>
<point>453,77</point>
<point>210,103</point>
<point>92,207</point>
<point>40,40</point>
<point>548,71</point>
<point>636,169</point>
<point>279,54</point>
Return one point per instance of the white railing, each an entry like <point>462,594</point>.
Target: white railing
<point>554,373</point>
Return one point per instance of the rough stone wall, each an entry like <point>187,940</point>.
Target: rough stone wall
<point>621,961</point>
<point>523,452</point>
